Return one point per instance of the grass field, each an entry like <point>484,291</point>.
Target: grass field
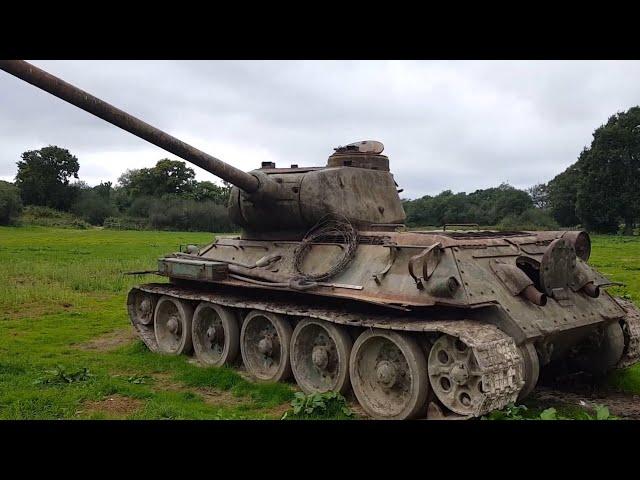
<point>67,350</point>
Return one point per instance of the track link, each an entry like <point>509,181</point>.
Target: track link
<point>502,373</point>
<point>631,329</point>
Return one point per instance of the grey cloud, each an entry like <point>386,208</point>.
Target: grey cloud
<point>445,124</point>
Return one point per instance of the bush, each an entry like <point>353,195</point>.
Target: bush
<point>327,405</point>
<point>531,219</point>
<point>126,223</point>
<point>92,207</point>
<point>10,203</point>
<point>141,206</point>
<point>48,217</point>
<point>189,215</point>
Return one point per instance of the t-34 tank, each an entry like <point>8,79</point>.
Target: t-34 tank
<point>326,285</point>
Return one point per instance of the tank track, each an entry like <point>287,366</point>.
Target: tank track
<point>631,329</point>
<point>502,374</point>
<point>498,359</point>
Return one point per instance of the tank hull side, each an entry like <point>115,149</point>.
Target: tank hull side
<point>379,274</point>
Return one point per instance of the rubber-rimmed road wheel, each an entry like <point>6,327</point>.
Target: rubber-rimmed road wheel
<point>215,334</point>
<point>264,343</point>
<point>531,369</point>
<point>389,375</point>
<point>320,356</point>
<point>172,325</point>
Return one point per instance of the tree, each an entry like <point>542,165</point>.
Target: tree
<point>104,190</point>
<point>562,196</point>
<point>167,177</point>
<point>539,195</point>
<point>93,204</point>
<point>43,177</point>
<point>608,192</point>
<point>493,204</point>
<point>210,191</point>
<point>10,204</point>
<point>485,207</point>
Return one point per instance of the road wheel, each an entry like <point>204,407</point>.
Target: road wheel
<point>530,369</point>
<point>172,322</point>
<point>264,343</point>
<point>320,356</point>
<point>215,334</point>
<point>389,375</point>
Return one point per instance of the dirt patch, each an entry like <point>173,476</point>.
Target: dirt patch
<point>620,404</point>
<point>29,310</point>
<point>277,412</point>
<point>114,406</point>
<point>110,341</point>
<point>164,381</point>
<point>218,398</point>
<point>211,396</point>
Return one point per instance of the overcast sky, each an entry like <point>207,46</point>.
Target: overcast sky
<point>459,125</point>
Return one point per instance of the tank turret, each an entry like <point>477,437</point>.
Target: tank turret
<point>355,184</point>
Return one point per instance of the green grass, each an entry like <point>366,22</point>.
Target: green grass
<point>618,258</point>
<point>63,288</point>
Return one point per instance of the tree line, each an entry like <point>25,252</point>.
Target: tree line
<point>599,192</point>
<point>166,196</point>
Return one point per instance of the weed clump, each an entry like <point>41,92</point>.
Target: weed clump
<point>327,405</point>
<point>521,412</point>
<point>61,376</point>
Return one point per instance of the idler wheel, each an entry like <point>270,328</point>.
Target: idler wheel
<point>389,375</point>
<point>172,325</point>
<point>455,377</point>
<point>215,333</point>
<point>264,343</point>
<point>144,306</point>
<point>320,356</point>
<point>141,306</point>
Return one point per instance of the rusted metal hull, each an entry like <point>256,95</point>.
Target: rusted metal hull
<point>381,274</point>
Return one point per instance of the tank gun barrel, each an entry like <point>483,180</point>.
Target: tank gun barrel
<point>81,99</point>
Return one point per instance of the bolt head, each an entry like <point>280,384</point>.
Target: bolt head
<point>386,373</point>
<point>172,325</point>
<point>265,346</point>
<point>211,333</point>
<point>459,374</point>
<point>320,357</point>
<point>145,306</point>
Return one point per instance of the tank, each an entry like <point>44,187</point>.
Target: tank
<point>326,287</point>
